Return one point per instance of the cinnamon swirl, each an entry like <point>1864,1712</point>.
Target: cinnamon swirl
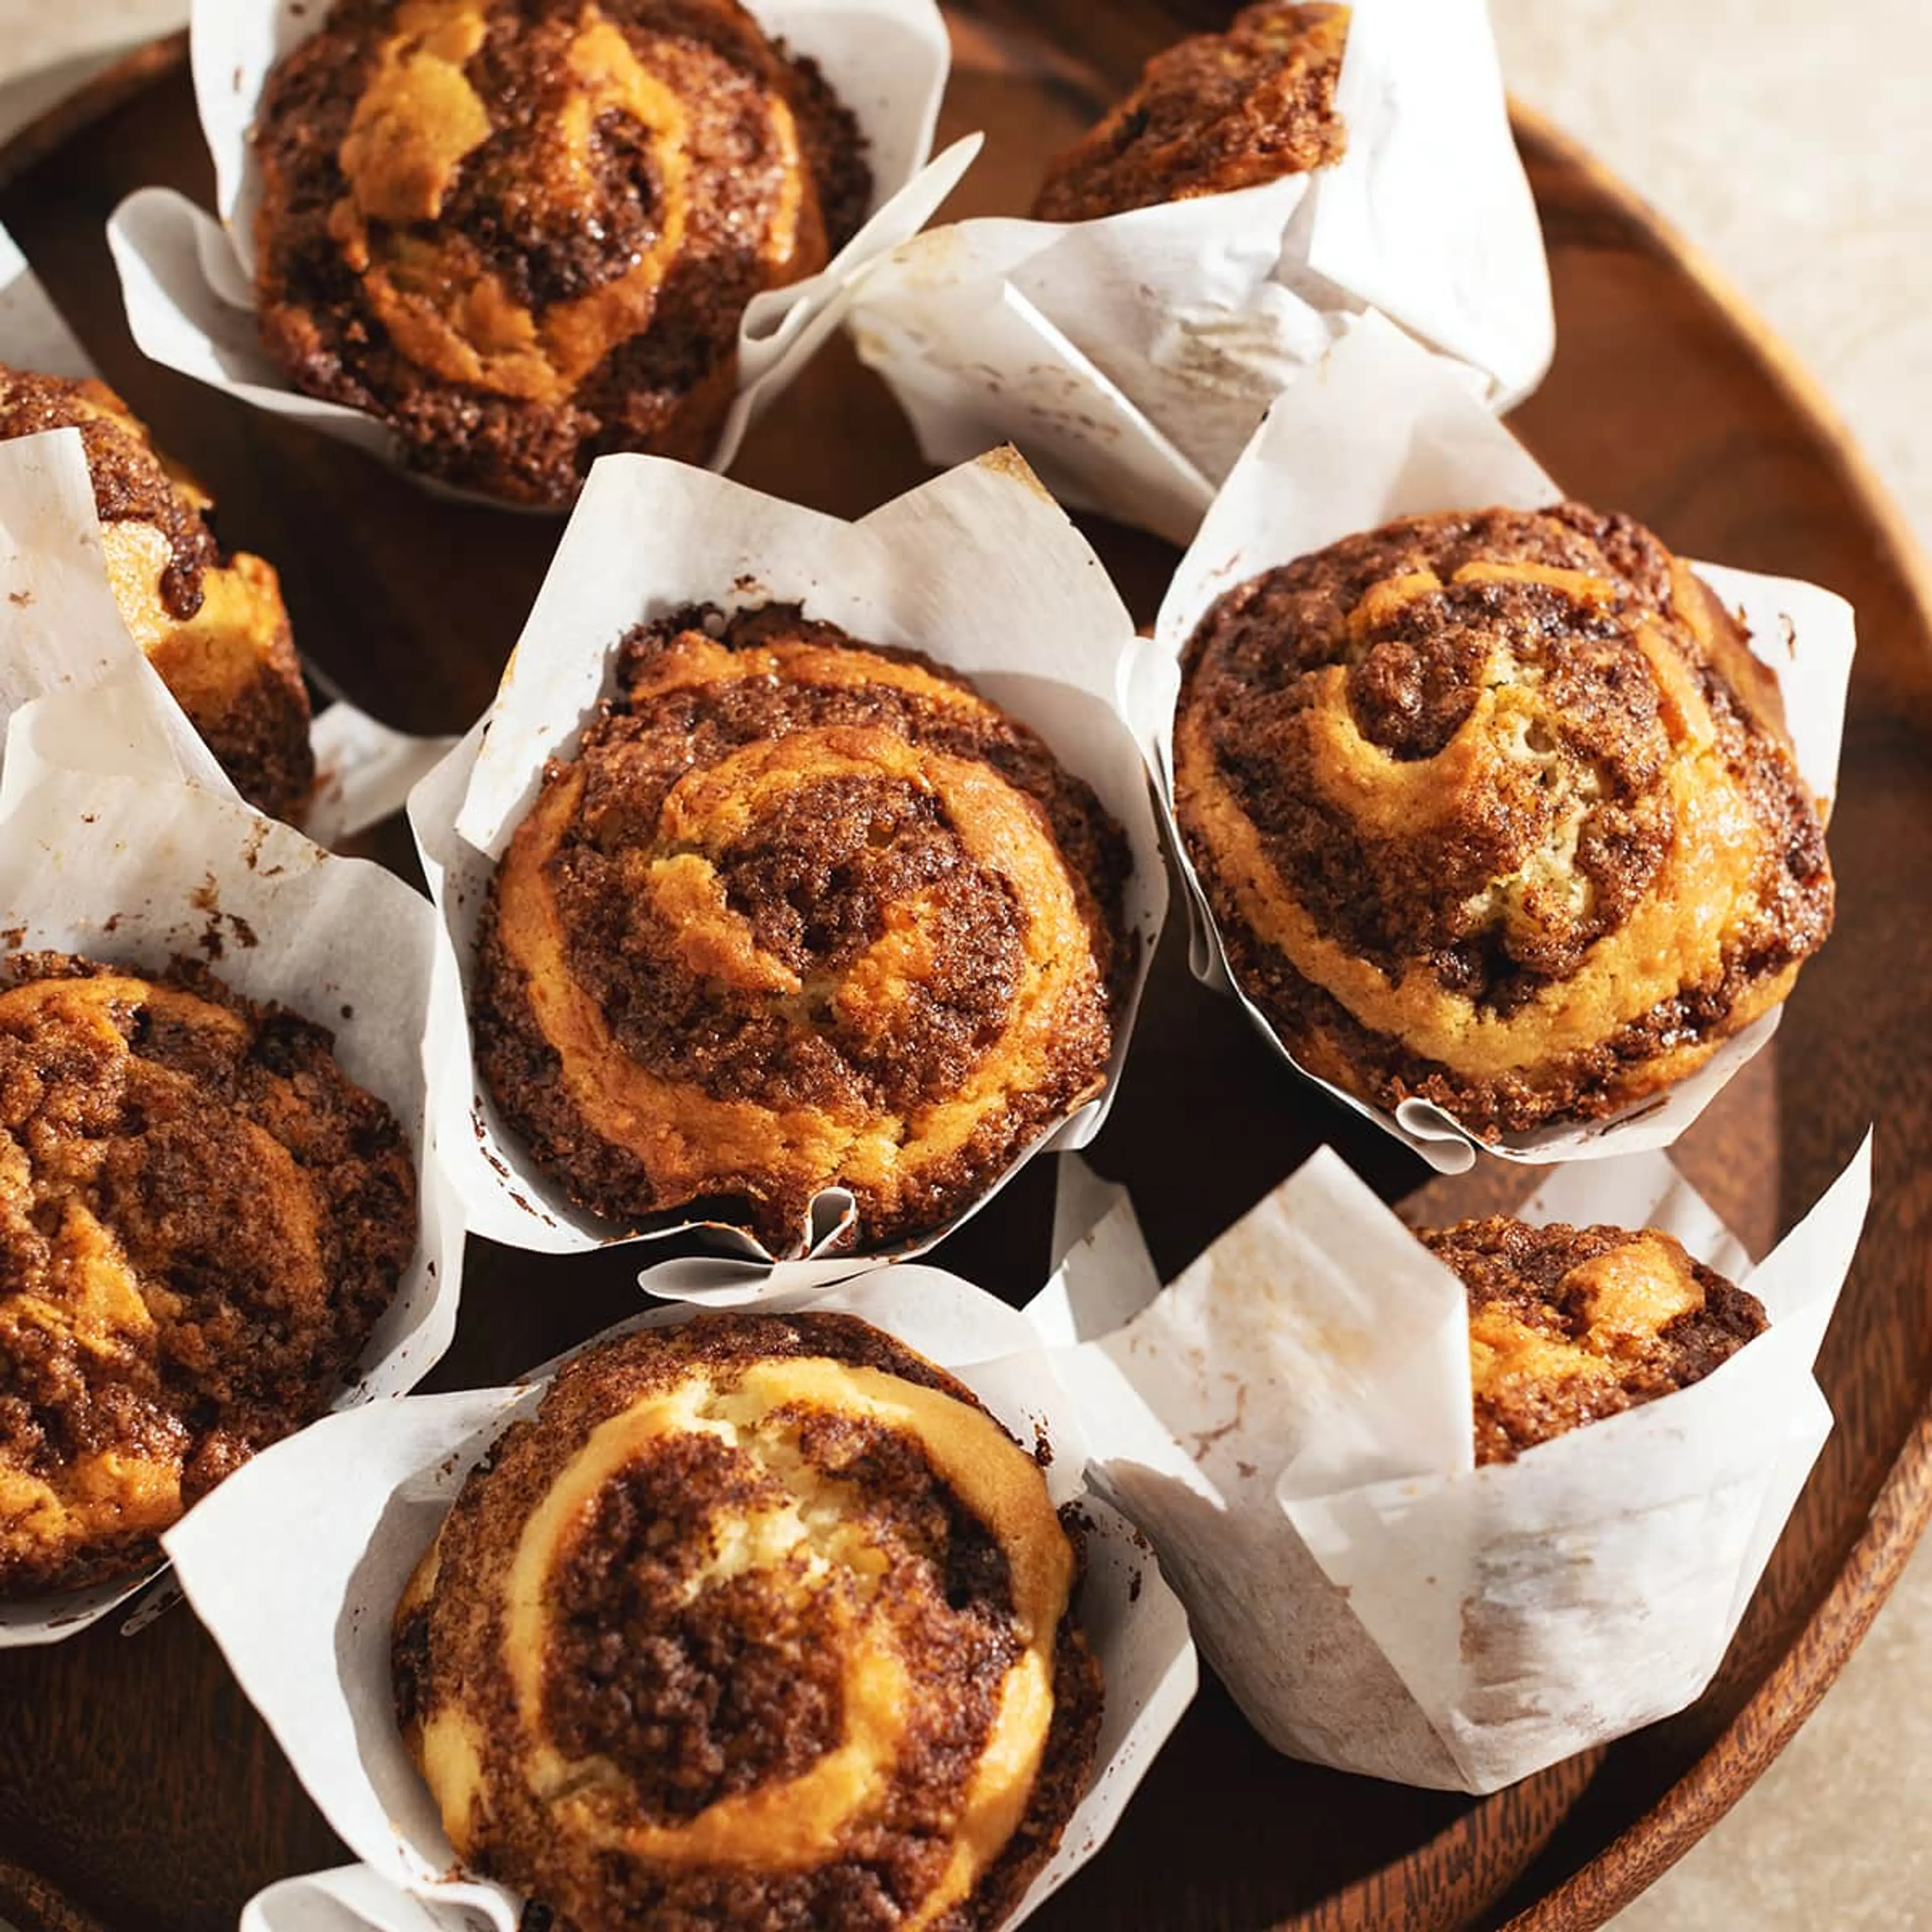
<point>1568,1325</point>
<point>212,625</point>
<point>1215,112</point>
<point>202,1221</point>
<point>761,1622</point>
<point>1496,808</point>
<point>522,232</point>
<point>802,912</point>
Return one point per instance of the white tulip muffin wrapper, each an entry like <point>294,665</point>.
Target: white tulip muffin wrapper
<point>62,633</point>
<point>187,277</point>
<point>120,840</point>
<point>34,334</point>
<point>351,1898</point>
<point>1131,356</point>
<point>1290,1423</point>
<point>364,768</point>
<point>977,568</point>
<point>365,771</point>
<point>1386,431</point>
<point>333,1522</point>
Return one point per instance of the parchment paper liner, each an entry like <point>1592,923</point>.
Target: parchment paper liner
<point>187,279</point>
<point>1130,358</point>
<point>979,569</point>
<point>334,1521</point>
<point>121,839</point>
<point>1291,1424</point>
<point>364,769</point>
<point>1387,431</point>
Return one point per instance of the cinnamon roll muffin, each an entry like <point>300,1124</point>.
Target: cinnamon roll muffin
<point>802,912</point>
<point>1568,1325</point>
<point>522,232</point>
<point>1215,112</point>
<point>212,625</point>
<point>759,1622</point>
<point>1496,809</point>
<point>202,1219</point>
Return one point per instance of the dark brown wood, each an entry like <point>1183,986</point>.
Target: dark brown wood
<point>72,115</point>
<point>136,1787</point>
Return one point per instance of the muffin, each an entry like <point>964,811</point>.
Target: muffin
<point>802,912</point>
<point>1568,1325</point>
<point>1496,809</point>
<point>760,1622</point>
<point>213,625</point>
<point>522,232</point>
<point>1215,112</point>
<point>202,1220</point>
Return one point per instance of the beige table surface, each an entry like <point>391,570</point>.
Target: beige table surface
<point>1792,142</point>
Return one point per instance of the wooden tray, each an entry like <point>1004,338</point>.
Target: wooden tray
<point>138,1788</point>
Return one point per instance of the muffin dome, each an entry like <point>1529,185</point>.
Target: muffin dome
<point>202,1220</point>
<point>1495,809</point>
<point>212,625</point>
<point>1215,112</point>
<point>523,233</point>
<point>759,1622</point>
<point>1568,1325</point>
<point>800,913</point>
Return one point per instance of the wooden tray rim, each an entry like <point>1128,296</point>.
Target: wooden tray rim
<point>1902,1508</point>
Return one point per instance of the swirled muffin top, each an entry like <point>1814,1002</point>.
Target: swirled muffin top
<point>802,912</point>
<point>1496,809</point>
<point>1568,1325</point>
<point>213,625</point>
<point>522,231</point>
<point>202,1219</point>
<point>761,1622</point>
<point>1214,112</point>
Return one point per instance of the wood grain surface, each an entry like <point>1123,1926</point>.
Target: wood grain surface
<point>137,1787</point>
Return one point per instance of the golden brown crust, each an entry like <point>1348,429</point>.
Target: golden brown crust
<point>761,1622</point>
<point>214,626</point>
<point>801,912</point>
<point>523,234</point>
<point>1568,1325</point>
<point>1491,810</point>
<point>1215,112</point>
<point>201,1221</point>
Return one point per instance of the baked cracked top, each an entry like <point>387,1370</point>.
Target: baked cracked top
<point>201,1220</point>
<point>522,231</point>
<point>802,912</point>
<point>760,1623</point>
<point>1568,1325</point>
<point>213,625</point>
<point>1214,112</point>
<point>1494,809</point>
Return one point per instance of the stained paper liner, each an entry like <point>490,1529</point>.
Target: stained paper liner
<point>296,1564</point>
<point>1131,357</point>
<point>978,568</point>
<point>121,840</point>
<point>1386,431</point>
<point>365,770</point>
<point>188,278</point>
<point>1291,1423</point>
